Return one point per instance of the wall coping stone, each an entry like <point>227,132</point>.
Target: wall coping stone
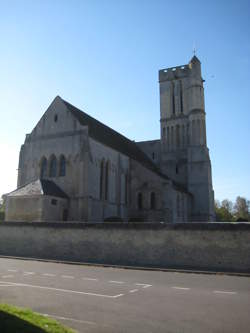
<point>217,226</point>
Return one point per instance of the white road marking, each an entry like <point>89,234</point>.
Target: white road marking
<point>63,290</point>
<point>181,288</point>
<point>224,292</point>
<point>7,276</point>
<point>144,285</point>
<point>70,319</point>
<point>89,279</point>
<point>48,274</point>
<point>28,273</point>
<point>133,290</point>
<point>12,270</point>
<point>118,282</point>
<point>5,284</point>
<point>67,276</point>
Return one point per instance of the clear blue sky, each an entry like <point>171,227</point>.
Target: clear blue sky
<point>104,57</point>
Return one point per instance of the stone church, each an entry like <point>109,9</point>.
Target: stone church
<point>73,167</point>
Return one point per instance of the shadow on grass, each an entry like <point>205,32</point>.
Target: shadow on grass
<point>11,324</point>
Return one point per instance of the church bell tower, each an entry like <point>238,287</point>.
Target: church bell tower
<point>184,152</point>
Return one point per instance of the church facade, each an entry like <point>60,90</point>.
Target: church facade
<point>73,167</point>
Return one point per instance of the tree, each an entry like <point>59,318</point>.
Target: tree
<point>242,209</point>
<point>2,209</point>
<point>224,210</point>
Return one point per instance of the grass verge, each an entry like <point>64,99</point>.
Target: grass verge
<point>18,320</point>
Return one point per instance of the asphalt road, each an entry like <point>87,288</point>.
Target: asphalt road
<point>102,299</point>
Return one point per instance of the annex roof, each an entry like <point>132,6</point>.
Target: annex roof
<point>39,187</point>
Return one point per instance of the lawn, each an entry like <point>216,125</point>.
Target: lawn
<point>18,320</point>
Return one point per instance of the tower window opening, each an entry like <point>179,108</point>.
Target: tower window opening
<point>153,156</point>
<point>107,180</point>
<point>139,201</point>
<point>172,137</point>
<point>126,189</point>
<point>181,93</point>
<point>176,169</point>
<point>101,178</point>
<point>152,200</point>
<point>173,100</point>
<point>55,118</point>
<point>177,135</point>
<point>178,205</point>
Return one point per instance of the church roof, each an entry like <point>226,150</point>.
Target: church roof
<point>39,187</point>
<point>111,138</point>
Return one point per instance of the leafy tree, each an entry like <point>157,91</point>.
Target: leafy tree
<point>224,210</point>
<point>242,209</point>
<point>2,209</point>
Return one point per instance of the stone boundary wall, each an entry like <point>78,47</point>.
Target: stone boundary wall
<point>199,246</point>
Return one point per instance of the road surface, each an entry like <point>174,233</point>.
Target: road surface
<point>103,299</point>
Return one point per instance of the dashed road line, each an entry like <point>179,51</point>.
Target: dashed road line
<point>62,290</point>
<point>89,279</point>
<point>143,285</point>
<point>12,270</point>
<point>48,274</point>
<point>118,282</point>
<point>133,290</point>
<point>180,288</point>
<point>224,292</point>
<point>28,273</point>
<point>7,276</point>
<point>67,276</point>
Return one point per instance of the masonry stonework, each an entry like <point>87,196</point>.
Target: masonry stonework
<point>72,167</point>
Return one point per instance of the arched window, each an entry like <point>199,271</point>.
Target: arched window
<point>107,181</point>
<point>62,166</point>
<point>188,134</point>
<point>193,133</point>
<point>43,172</point>
<point>198,130</point>
<point>164,133</point>
<point>52,166</point>
<point>126,189</point>
<point>183,136</point>
<point>173,99</point>
<point>177,133</point>
<point>178,205</point>
<point>152,200</point>
<point>139,201</point>
<point>172,138</point>
<point>101,178</point>
<point>181,93</point>
<point>168,137</point>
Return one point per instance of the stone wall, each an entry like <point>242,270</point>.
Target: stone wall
<point>212,246</point>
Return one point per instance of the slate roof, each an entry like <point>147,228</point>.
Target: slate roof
<point>50,188</point>
<point>39,187</point>
<point>111,138</point>
<point>106,135</point>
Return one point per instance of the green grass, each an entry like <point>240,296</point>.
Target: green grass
<point>18,320</point>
